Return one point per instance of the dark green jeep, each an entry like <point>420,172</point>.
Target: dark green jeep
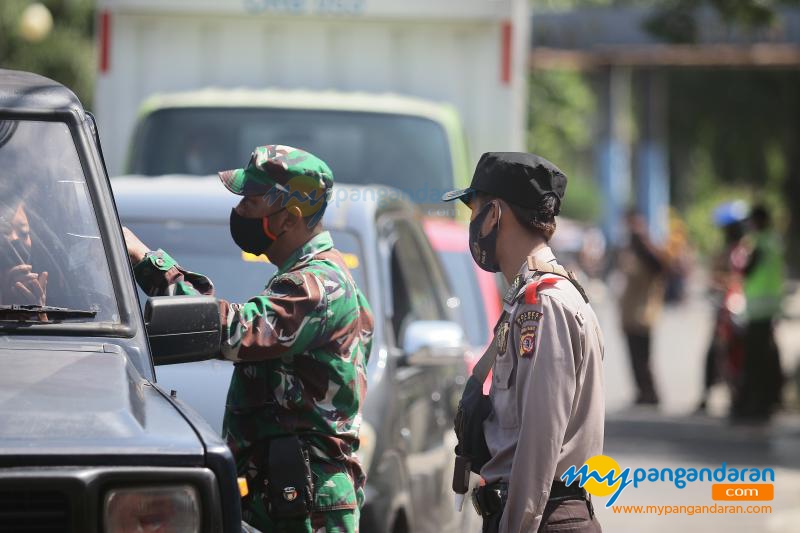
<point>88,441</point>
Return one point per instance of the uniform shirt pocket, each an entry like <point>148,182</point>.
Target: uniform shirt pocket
<point>503,392</point>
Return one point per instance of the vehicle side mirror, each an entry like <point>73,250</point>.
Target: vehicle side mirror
<point>433,343</point>
<point>183,329</point>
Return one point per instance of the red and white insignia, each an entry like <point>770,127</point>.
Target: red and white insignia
<point>527,342</point>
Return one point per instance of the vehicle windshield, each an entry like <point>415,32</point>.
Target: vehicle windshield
<point>51,250</point>
<point>410,153</point>
<point>208,249</point>
<point>461,270</point>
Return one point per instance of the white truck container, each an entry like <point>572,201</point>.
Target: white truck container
<point>468,53</point>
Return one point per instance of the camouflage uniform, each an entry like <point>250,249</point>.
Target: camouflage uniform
<point>301,350</point>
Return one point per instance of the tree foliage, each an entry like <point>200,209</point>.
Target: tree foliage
<point>676,20</point>
<point>66,54</point>
<point>733,133</point>
<point>736,130</point>
<point>560,129</point>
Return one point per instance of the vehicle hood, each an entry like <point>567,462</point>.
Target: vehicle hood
<point>90,405</point>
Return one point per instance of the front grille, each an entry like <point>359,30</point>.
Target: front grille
<point>29,511</point>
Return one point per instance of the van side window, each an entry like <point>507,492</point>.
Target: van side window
<point>414,293</point>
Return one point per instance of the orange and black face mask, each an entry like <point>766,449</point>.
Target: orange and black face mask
<point>252,235</point>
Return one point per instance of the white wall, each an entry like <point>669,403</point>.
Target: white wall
<point>456,61</point>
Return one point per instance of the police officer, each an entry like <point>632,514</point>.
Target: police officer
<point>300,347</point>
<point>547,397</point>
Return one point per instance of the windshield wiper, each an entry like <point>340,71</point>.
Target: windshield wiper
<point>23,312</point>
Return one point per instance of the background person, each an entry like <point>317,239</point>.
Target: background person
<point>645,267</point>
<point>762,378</point>
<point>19,284</point>
<point>726,350</point>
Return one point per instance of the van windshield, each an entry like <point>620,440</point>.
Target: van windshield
<point>51,250</point>
<point>407,152</point>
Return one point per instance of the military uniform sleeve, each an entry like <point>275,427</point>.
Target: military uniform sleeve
<point>290,317</point>
<point>159,275</point>
<point>549,345</point>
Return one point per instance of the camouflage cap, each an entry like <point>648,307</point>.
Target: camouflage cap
<point>282,172</point>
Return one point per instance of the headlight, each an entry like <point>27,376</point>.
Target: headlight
<point>366,446</point>
<point>158,509</point>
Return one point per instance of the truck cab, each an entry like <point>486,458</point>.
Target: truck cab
<point>88,440</point>
<point>386,140</point>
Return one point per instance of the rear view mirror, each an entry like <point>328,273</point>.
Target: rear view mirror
<point>183,329</point>
<point>433,343</point>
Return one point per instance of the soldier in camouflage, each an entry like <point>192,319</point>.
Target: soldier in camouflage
<point>300,347</point>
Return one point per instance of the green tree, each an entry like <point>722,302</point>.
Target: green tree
<point>732,132</point>
<point>561,107</point>
<point>66,54</point>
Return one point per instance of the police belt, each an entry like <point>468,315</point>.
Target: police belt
<point>491,499</point>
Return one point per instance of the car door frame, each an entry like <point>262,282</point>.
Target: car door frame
<point>430,487</point>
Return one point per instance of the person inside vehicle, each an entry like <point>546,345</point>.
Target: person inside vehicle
<point>19,284</point>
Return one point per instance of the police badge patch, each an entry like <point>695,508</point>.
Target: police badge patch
<point>527,341</point>
<point>502,337</point>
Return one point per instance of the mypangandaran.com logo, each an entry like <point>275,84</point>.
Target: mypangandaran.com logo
<point>602,476</point>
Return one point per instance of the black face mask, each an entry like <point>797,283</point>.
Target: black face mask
<point>484,249</point>
<point>251,234</point>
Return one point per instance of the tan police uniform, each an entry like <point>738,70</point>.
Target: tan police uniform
<point>547,397</point>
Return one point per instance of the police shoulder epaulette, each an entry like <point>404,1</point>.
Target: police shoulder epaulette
<point>532,288</point>
<point>543,268</point>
